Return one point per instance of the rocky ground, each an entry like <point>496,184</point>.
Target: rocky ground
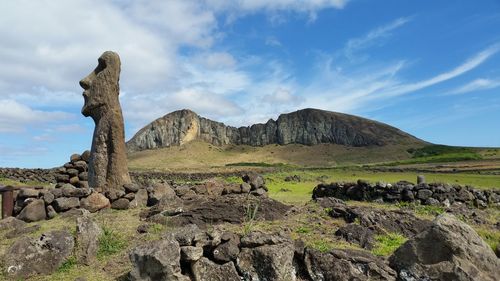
<point>215,230</point>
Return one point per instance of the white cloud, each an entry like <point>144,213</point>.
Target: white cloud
<point>467,66</point>
<point>479,84</point>
<point>15,116</point>
<point>273,41</point>
<point>373,37</point>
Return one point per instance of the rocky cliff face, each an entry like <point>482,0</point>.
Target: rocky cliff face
<point>307,126</point>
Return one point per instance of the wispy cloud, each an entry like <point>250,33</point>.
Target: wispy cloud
<point>479,84</point>
<point>467,66</point>
<point>373,37</point>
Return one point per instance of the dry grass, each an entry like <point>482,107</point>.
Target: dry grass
<point>197,155</point>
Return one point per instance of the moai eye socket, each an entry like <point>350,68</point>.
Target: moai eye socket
<point>100,67</point>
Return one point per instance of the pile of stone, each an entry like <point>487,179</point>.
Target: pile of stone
<point>29,175</point>
<point>74,172</point>
<point>189,253</point>
<point>403,191</point>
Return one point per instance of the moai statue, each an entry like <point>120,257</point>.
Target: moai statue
<point>108,159</point>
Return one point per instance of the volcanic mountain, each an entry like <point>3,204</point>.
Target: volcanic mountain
<point>306,126</point>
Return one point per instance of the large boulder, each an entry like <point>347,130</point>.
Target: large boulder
<point>271,259</point>
<point>95,202</point>
<point>42,255</point>
<point>204,269</point>
<point>34,211</point>
<point>157,261</point>
<point>88,233</point>
<point>448,250</point>
<point>346,264</point>
<point>158,191</point>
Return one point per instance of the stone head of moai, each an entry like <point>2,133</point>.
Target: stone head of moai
<point>108,160</point>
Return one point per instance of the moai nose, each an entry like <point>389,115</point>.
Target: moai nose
<point>84,83</point>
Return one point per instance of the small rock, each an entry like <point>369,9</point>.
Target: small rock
<point>86,155</point>
<point>51,213</point>
<point>48,197</point>
<point>11,223</point>
<point>431,202</point>
<point>245,187</point>
<point>129,196</point>
<point>120,204</point>
<point>255,180</point>
<point>65,203</point>
<point>158,191</point>
<point>420,179</point>
<point>131,187</point>
<point>83,176</point>
<point>191,253</point>
<point>259,192</point>
<point>21,231</point>
<point>34,211</point>
<point>205,269</point>
<point>28,193</point>
<point>95,202</point>
<point>75,157</point>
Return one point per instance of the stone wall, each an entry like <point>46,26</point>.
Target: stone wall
<point>29,175</point>
<point>427,194</point>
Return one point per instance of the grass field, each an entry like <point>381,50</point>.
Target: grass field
<point>300,192</point>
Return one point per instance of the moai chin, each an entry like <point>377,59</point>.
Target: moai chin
<point>108,159</point>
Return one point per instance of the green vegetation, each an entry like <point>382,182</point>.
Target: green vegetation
<point>423,210</point>
<point>67,265</point>
<point>386,244</point>
<point>300,192</point>
<point>322,245</point>
<point>490,236</point>
<point>250,215</point>
<point>256,164</point>
<point>440,154</point>
<point>110,243</point>
<point>303,229</point>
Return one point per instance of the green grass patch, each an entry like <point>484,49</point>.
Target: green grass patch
<point>386,244</point>
<point>435,150</point>
<point>490,236</point>
<point>68,265</point>
<point>423,210</point>
<point>256,164</point>
<point>110,243</point>
<point>322,245</point>
<point>303,229</point>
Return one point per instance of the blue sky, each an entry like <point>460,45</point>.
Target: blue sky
<point>427,67</point>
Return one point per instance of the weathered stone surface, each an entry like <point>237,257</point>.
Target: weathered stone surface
<point>75,157</point>
<point>131,187</point>
<point>51,212</point>
<point>158,191</point>
<point>140,199</point>
<point>108,159</point>
<point>114,194</point>
<point>229,249</point>
<point>28,193</point>
<point>245,187</point>
<point>204,270</point>
<point>95,202</point>
<point>355,233</point>
<point>18,232</point>
<point>11,223</point>
<point>48,197</point>
<point>88,233</point>
<point>34,211</point>
<point>307,126</point>
<point>346,264</point>
<point>448,250</point>
<point>268,262</point>
<point>42,255</point>
<point>120,204</point>
<point>157,260</point>
<point>86,155</point>
<point>65,203</point>
<point>191,253</point>
<point>71,191</point>
<point>255,180</point>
